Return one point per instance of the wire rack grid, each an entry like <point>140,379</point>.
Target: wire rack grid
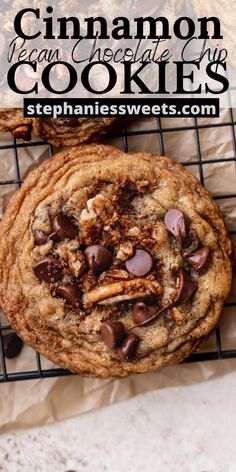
<point>196,125</point>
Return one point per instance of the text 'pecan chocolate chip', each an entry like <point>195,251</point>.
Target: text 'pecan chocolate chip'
<point>12,345</point>
<point>144,314</point>
<point>198,259</point>
<point>112,333</point>
<point>64,228</point>
<point>48,270</point>
<point>187,287</point>
<point>70,292</point>
<point>177,224</point>
<point>140,264</point>
<point>40,237</point>
<point>127,350</point>
<point>98,258</point>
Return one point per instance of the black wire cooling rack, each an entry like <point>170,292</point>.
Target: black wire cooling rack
<point>196,125</point>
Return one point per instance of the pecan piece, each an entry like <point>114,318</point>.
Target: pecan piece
<point>123,290</point>
<point>99,210</point>
<point>22,132</point>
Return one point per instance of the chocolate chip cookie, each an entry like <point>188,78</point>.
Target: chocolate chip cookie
<point>113,263</point>
<point>58,131</point>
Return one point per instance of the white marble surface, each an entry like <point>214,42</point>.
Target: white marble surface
<point>186,429</point>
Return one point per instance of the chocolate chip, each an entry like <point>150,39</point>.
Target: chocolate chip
<point>112,333</point>
<point>22,132</point>
<point>48,269</point>
<point>140,264</point>
<point>12,345</point>
<point>177,224</point>
<point>71,293</point>
<point>40,237</point>
<point>127,350</point>
<point>98,258</point>
<point>144,314</point>
<point>64,227</point>
<point>198,259</point>
<point>187,287</point>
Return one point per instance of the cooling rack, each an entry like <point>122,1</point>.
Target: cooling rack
<point>194,124</point>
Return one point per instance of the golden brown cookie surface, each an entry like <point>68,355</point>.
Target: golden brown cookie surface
<point>113,263</point>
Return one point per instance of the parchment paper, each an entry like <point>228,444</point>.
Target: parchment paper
<point>30,403</point>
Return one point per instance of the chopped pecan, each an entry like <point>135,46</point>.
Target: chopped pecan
<point>174,268</point>
<point>90,226</point>
<point>159,234</point>
<point>76,262</point>
<point>75,259</point>
<point>22,132</point>
<point>123,290</point>
<point>102,206</point>
<point>118,274</point>
<point>125,251</point>
<point>99,210</point>
<point>135,232</point>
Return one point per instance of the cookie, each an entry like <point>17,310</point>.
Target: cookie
<point>113,263</point>
<point>58,131</point>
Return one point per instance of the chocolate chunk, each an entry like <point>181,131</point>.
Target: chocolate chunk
<point>64,227</point>
<point>140,264</point>
<point>5,201</point>
<point>2,43</point>
<point>127,350</point>
<point>71,293</point>
<point>40,237</point>
<point>12,345</point>
<point>98,258</point>
<point>112,333</point>
<point>48,269</point>
<point>177,224</point>
<point>22,132</point>
<point>198,259</point>
<point>187,287</point>
<point>144,314</point>
<point>153,317</point>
